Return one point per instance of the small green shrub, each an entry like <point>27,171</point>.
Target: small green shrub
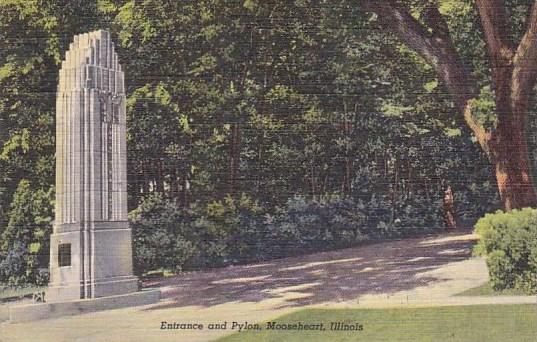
<point>163,236</point>
<point>302,226</point>
<point>228,232</point>
<point>509,240</point>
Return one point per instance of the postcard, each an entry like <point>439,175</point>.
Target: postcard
<point>246,170</point>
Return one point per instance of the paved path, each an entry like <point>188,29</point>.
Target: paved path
<point>413,272</point>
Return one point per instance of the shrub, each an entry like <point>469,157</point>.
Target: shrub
<point>228,232</point>
<point>509,240</point>
<point>162,235</point>
<point>314,225</point>
<point>417,214</point>
<point>218,234</point>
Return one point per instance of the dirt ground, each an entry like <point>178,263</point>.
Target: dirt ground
<point>412,272</point>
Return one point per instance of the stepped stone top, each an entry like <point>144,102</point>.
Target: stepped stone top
<point>88,52</point>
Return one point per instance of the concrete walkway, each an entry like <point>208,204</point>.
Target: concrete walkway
<point>407,273</point>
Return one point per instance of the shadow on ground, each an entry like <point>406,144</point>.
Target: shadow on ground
<point>324,277</point>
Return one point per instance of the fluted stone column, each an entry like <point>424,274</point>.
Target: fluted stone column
<point>91,248</point>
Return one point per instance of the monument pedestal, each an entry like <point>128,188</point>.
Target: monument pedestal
<point>104,267</point>
<point>103,288</point>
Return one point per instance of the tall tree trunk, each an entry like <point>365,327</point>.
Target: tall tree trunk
<point>234,157</point>
<point>512,165</point>
<point>514,74</point>
<point>185,187</point>
<point>136,185</point>
<point>146,179</point>
<point>347,176</point>
<point>159,179</point>
<point>313,185</point>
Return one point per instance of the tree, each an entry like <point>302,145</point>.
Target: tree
<point>24,244</point>
<point>514,71</point>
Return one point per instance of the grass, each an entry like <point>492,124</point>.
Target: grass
<point>479,323</point>
<point>487,290</point>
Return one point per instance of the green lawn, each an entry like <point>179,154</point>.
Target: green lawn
<point>480,323</point>
<point>487,290</point>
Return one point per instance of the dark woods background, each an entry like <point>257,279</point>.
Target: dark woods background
<point>256,129</point>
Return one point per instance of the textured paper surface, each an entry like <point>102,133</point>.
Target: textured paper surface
<point>326,161</point>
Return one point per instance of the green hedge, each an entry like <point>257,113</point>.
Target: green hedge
<point>238,231</point>
<point>509,240</point>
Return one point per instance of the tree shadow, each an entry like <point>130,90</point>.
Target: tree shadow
<point>334,276</point>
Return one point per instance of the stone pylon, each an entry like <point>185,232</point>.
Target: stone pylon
<point>91,248</point>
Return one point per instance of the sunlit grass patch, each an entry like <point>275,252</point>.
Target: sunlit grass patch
<point>449,323</point>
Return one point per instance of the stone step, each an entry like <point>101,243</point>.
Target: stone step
<point>37,311</point>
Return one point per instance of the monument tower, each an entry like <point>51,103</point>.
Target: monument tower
<point>91,248</point>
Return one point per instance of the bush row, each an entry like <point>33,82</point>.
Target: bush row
<point>239,231</point>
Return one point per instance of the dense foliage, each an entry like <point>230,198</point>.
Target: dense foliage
<point>509,240</point>
<point>24,247</point>
<point>287,106</point>
<point>234,231</point>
